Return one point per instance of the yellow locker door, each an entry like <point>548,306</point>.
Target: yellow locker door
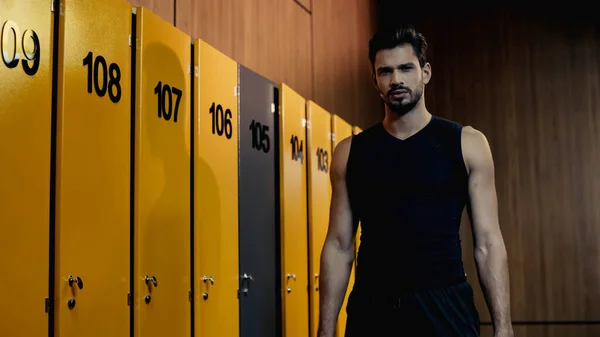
<point>319,197</point>
<point>93,169</point>
<point>215,193</point>
<point>162,260</point>
<point>26,35</point>
<point>341,130</point>
<point>355,131</point>
<point>294,237</point>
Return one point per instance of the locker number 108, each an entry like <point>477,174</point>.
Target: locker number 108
<point>110,75</point>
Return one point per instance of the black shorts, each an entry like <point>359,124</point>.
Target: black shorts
<point>441,312</point>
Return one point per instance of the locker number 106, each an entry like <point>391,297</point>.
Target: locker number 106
<point>221,120</point>
<point>14,46</point>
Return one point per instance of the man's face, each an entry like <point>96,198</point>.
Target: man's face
<point>399,78</point>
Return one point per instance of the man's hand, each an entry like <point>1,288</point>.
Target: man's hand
<point>489,248</point>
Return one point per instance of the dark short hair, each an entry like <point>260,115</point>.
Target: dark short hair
<point>392,36</point>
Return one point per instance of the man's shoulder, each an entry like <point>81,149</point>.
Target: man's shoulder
<point>467,132</point>
<point>473,137</point>
<point>475,147</point>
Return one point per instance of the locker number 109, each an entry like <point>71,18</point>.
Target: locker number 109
<point>13,46</point>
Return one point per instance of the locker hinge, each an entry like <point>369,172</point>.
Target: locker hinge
<point>129,40</point>
<point>272,108</point>
<point>47,305</point>
<point>236,91</point>
<point>332,136</point>
<point>197,71</point>
<point>129,299</point>
<point>52,5</point>
<point>189,68</point>
<point>303,122</point>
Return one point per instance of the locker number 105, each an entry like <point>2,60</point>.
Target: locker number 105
<point>15,46</point>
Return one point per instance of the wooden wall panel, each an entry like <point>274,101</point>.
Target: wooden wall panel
<point>321,53</point>
<point>549,331</point>
<point>531,82</point>
<point>163,8</point>
<point>342,72</point>
<point>307,4</point>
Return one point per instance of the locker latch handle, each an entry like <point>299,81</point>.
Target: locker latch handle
<point>77,280</point>
<point>151,279</point>
<point>247,279</point>
<point>212,282</point>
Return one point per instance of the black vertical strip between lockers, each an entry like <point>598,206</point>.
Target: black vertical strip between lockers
<point>53,135</point>
<point>192,187</point>
<point>175,15</point>
<point>278,273</point>
<point>239,204</point>
<point>308,189</point>
<point>132,176</point>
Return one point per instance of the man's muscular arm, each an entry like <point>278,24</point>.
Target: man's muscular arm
<point>489,248</point>
<point>338,250</point>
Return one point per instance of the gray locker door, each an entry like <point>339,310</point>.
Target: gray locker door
<point>258,206</point>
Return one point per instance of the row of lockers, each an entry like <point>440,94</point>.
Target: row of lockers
<point>152,186</point>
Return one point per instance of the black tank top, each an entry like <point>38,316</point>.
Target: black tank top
<point>409,196</point>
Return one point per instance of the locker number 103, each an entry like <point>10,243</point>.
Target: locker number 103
<point>322,160</point>
<point>14,46</point>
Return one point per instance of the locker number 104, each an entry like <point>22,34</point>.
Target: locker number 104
<point>297,152</point>
<point>14,46</point>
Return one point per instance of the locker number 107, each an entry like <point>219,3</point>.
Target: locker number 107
<point>165,93</point>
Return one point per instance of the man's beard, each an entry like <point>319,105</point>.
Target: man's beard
<point>402,107</point>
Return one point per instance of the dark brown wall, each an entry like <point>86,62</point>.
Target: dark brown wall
<point>318,47</point>
<point>531,83</point>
